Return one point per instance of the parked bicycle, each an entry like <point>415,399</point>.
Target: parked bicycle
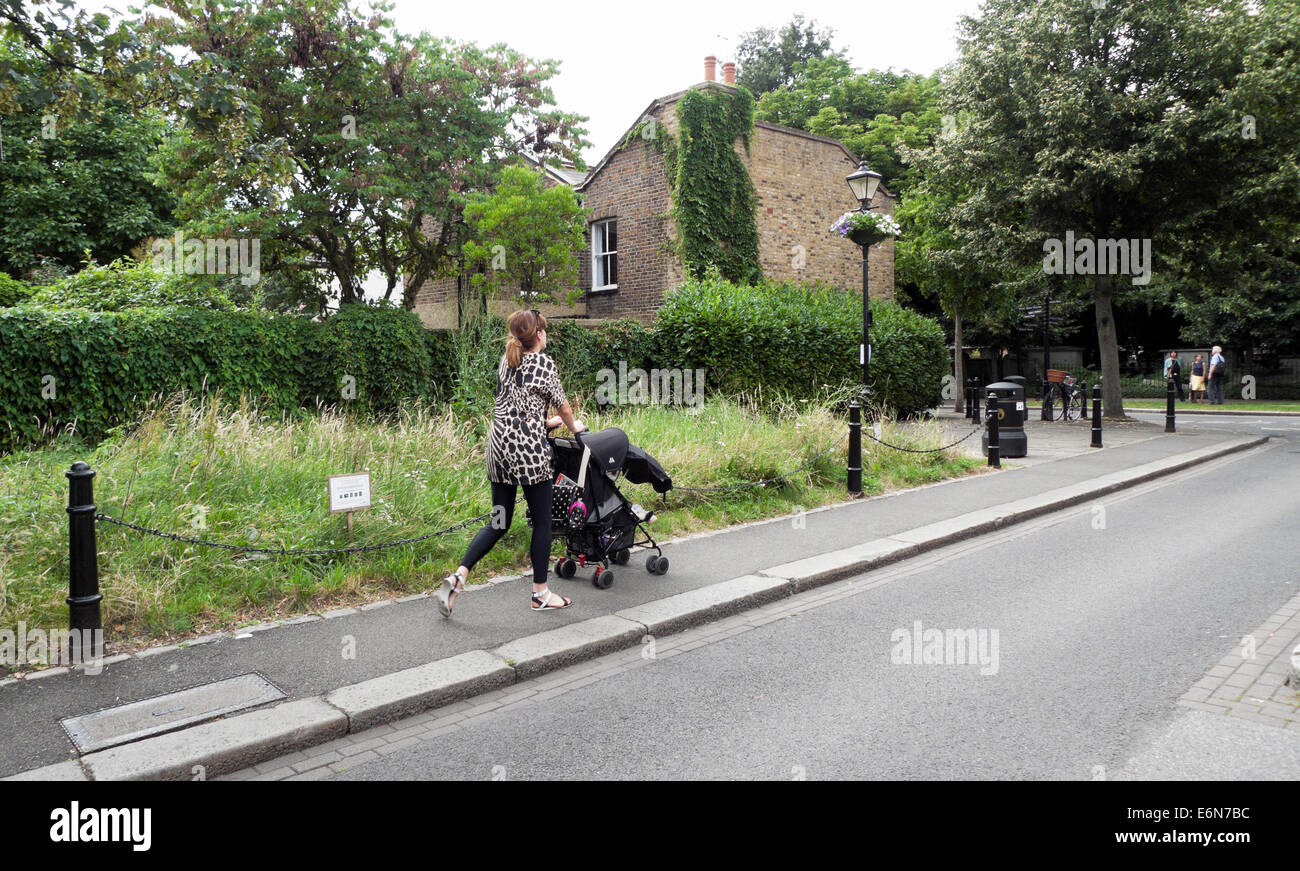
<point>1066,394</point>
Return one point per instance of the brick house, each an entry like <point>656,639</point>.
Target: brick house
<point>628,265</point>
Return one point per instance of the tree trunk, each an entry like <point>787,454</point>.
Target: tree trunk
<point>959,405</point>
<point>1112,395</point>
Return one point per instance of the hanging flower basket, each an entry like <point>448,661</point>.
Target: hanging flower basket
<point>865,228</point>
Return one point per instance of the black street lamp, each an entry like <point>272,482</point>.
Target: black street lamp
<point>863,182</point>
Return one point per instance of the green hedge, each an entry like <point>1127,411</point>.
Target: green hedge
<point>377,356</point>
<point>97,369</point>
<point>798,339</point>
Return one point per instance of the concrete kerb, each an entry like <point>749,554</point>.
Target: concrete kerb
<point>707,604</point>
<point>534,655</point>
<point>222,746</point>
<point>230,744</point>
<point>413,690</point>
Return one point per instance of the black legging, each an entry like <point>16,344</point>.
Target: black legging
<point>538,497</point>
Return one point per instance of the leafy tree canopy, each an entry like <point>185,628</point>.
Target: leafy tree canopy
<point>767,58</point>
<point>525,235</point>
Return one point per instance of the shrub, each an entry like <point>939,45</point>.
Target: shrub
<point>381,347</point>
<point>125,284</point>
<point>799,340</point>
<point>13,292</point>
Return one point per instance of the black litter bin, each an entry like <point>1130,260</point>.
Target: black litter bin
<point>1012,441</point>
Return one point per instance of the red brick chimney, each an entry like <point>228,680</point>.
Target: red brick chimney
<point>729,72</point>
<point>710,68</point>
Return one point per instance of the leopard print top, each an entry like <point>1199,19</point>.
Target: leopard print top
<point>517,449</point>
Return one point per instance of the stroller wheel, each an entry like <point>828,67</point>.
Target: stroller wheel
<point>622,556</point>
<point>566,568</point>
<point>603,579</point>
<point>662,564</point>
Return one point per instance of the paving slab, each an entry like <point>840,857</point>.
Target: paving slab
<point>221,747</point>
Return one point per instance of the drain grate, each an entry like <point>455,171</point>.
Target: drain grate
<point>135,720</point>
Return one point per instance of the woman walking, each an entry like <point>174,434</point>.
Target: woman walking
<point>517,455</point>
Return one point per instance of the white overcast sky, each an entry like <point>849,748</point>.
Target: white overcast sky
<point>617,57</point>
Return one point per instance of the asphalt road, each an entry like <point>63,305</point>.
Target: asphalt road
<point>1103,618</point>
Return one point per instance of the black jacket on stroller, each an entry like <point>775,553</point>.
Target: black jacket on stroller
<point>596,520</point>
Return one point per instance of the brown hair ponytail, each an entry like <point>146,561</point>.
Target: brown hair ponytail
<point>524,325</point>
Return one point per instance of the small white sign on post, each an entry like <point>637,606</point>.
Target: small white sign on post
<point>349,493</point>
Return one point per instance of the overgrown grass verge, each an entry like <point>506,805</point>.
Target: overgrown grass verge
<point>224,471</point>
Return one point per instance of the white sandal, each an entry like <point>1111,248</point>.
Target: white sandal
<point>544,604</point>
<point>453,583</point>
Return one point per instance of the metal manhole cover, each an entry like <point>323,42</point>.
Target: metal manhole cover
<point>135,720</point>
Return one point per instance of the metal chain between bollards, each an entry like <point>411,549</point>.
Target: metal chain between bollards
<point>924,450</point>
<point>284,551</point>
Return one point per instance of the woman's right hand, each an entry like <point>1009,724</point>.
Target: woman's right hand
<point>579,426</point>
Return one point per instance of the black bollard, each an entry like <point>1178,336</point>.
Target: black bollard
<point>1046,412</point>
<point>994,460</point>
<point>966,407</point>
<point>1169,405</point>
<point>1083,403</point>
<point>1096,415</point>
<point>975,404</point>
<point>855,449</point>
<point>83,567</point>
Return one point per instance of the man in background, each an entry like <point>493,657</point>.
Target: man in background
<point>1174,370</point>
<point>1218,368</point>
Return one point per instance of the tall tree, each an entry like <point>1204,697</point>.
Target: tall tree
<point>951,268</point>
<point>767,58</point>
<point>345,141</point>
<point>76,182</point>
<point>879,114</point>
<point>1106,121</point>
<point>525,236</point>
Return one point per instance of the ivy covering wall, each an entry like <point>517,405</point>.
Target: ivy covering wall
<point>713,196</point>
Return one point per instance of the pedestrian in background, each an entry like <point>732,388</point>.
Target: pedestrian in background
<point>1218,369</point>
<point>1197,386</point>
<point>1174,370</point>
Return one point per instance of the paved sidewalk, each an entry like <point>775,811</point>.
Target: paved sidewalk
<point>1243,721</point>
<point>308,657</point>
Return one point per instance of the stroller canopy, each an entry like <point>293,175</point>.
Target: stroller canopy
<point>608,449</point>
<point>611,453</point>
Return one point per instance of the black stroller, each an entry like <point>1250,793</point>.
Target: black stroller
<point>598,523</point>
